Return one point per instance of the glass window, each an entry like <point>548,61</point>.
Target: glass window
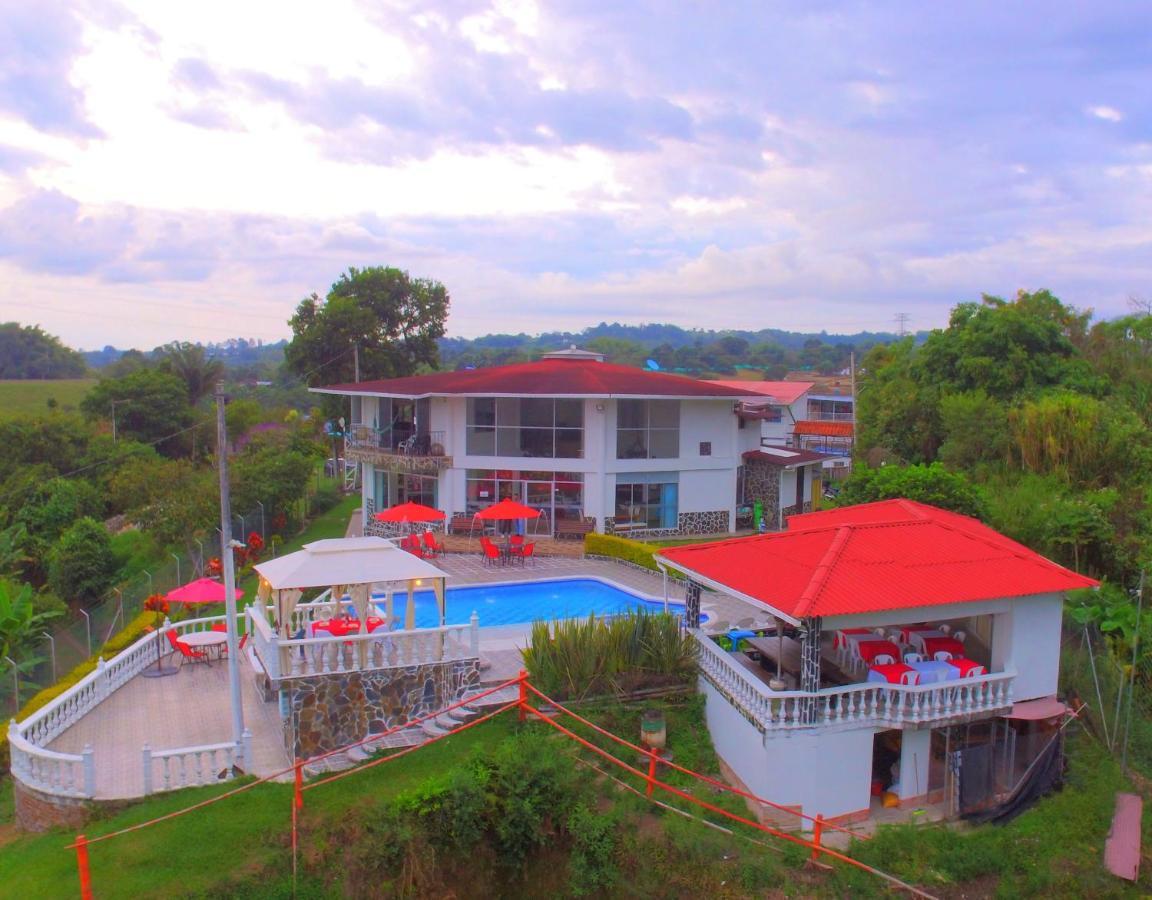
<point>647,500</point>
<point>648,429</point>
<point>526,427</point>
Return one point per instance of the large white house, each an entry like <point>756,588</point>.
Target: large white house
<point>625,450</point>
<point>835,704</point>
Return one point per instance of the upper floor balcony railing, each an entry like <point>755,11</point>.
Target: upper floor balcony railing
<point>402,449</point>
<point>867,705</point>
<point>817,415</point>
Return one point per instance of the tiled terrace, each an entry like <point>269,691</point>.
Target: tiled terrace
<point>191,708</point>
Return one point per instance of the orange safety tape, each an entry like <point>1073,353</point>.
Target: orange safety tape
<point>716,809</point>
<point>407,750</point>
<point>275,775</point>
<point>710,781</point>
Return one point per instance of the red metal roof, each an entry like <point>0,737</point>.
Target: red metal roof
<point>824,429</point>
<point>875,557</point>
<point>548,378</point>
<point>783,392</point>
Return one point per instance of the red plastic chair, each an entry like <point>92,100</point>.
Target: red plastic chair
<point>491,553</point>
<point>431,545</point>
<point>525,553</point>
<point>186,652</point>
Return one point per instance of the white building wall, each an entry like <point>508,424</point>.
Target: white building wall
<point>825,773</point>
<point>1027,639</point>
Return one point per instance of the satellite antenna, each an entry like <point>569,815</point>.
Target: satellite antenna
<point>652,365</point>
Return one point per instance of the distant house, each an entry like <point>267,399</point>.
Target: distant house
<point>625,450</point>
<point>834,709</point>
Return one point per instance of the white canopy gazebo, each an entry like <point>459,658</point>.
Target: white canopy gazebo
<point>352,565</point>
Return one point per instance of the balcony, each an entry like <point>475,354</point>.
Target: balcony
<point>867,705</point>
<point>398,449</point>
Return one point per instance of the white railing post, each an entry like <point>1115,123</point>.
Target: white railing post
<point>146,759</point>
<point>246,751</point>
<point>89,771</point>
<point>101,680</point>
<point>474,634</point>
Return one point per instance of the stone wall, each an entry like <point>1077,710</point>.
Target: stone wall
<point>762,483</point>
<point>36,811</point>
<point>326,712</point>
<point>711,522</point>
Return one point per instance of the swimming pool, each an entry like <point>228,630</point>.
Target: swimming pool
<point>517,603</point>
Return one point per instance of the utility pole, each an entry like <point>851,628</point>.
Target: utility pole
<point>901,323</point>
<point>228,563</point>
<point>114,402</point>
<point>356,360</point>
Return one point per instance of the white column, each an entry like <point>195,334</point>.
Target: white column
<point>915,754</point>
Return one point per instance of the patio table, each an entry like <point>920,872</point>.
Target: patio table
<point>932,672</point>
<point>916,638</point>
<point>908,632</point>
<point>205,640</point>
<point>343,628</point>
<point>933,645</point>
<point>867,651</point>
<point>844,636</point>
<point>966,667</point>
<point>894,673</point>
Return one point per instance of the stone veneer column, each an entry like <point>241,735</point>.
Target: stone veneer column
<point>692,605</point>
<point>809,667</point>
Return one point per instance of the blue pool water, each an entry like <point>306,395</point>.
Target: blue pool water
<point>527,601</point>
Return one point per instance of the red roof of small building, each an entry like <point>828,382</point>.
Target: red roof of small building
<point>875,557</point>
<point>824,429</point>
<point>783,392</point>
<point>547,378</point>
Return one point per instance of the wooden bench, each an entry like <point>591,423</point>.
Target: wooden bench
<point>465,525</point>
<point>573,528</point>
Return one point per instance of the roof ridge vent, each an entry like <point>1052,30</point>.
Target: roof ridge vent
<point>575,353</point>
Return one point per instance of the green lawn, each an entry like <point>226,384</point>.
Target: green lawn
<point>19,397</point>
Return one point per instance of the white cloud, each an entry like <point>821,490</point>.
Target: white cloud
<point>1107,113</point>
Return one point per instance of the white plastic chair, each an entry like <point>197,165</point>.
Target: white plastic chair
<point>960,635</point>
<point>910,658</point>
<point>883,659</point>
<point>945,627</point>
<point>880,632</point>
<point>942,656</point>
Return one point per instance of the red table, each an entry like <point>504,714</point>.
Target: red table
<point>841,640</point>
<point>934,645</point>
<point>869,650</point>
<point>906,631</point>
<point>968,668</point>
<point>345,627</point>
<point>894,673</point>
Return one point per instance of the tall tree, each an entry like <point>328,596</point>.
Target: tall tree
<point>149,406</point>
<point>27,351</point>
<point>392,318</point>
<point>193,366</point>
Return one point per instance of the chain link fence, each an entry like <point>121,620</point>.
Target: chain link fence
<point>68,644</point>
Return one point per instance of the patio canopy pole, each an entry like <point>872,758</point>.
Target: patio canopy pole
<point>226,559</point>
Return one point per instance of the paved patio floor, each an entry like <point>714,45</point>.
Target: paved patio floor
<point>191,708</point>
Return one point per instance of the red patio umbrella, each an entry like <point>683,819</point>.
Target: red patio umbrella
<point>508,509</point>
<point>409,512</point>
<point>202,590</point>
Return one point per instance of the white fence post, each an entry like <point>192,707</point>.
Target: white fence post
<point>146,759</point>
<point>474,635</point>
<point>89,771</point>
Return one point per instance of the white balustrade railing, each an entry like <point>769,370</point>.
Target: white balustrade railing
<point>864,705</point>
<point>60,774</point>
<point>358,651</point>
<point>69,774</point>
<point>170,770</point>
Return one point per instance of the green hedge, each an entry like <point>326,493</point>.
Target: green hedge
<point>621,548</point>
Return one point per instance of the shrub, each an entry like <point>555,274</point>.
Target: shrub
<point>82,566</point>
<point>621,548</point>
<point>574,658</point>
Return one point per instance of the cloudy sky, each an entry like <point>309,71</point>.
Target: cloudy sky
<point>192,170</point>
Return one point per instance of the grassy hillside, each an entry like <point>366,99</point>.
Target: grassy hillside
<point>18,397</point>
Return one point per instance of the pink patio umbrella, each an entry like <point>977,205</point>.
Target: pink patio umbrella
<point>202,590</point>
<point>409,512</point>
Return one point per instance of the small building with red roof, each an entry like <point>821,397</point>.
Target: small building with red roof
<point>885,631</point>
<point>588,443</point>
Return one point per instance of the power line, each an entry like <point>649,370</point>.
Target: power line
<point>901,323</point>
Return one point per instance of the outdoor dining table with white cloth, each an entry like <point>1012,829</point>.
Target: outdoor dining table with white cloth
<point>916,638</point>
<point>933,672</point>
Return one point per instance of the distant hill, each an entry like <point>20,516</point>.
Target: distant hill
<point>234,352</point>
